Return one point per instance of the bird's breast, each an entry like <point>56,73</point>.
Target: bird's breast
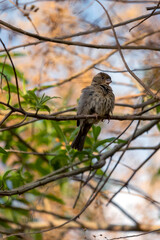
<point>103,101</point>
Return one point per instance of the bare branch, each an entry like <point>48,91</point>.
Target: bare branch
<point>15,74</point>
<point>123,59</point>
<point>30,153</point>
<point>22,46</point>
<point>151,14</point>
<point>5,118</point>
<point>133,70</point>
<point>135,171</point>
<point>9,92</point>
<point>136,235</point>
<point>26,15</point>
<point>108,27</point>
<point>80,44</point>
<point>75,117</point>
<point>46,180</point>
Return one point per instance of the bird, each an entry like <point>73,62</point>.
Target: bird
<point>97,99</point>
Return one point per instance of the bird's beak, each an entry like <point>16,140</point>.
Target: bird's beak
<point>108,81</point>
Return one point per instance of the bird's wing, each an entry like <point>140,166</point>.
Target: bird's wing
<point>84,105</point>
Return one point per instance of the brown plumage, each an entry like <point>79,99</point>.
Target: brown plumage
<point>97,99</point>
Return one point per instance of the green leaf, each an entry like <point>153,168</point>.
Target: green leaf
<point>158,126</point>
<point>18,54</point>
<point>13,89</point>
<point>120,141</point>
<point>12,238</point>
<point>2,106</point>
<point>45,98</point>
<point>2,151</point>
<point>74,133</point>
<point>8,70</point>
<point>21,211</point>
<point>31,95</point>
<point>158,172</point>
<point>46,108</point>
<point>59,131</point>
<point>37,236</point>
<point>36,102</point>
<point>6,174</point>
<point>28,176</point>
<point>15,178</point>
<point>110,139</point>
<point>54,198</point>
<point>4,224</point>
<point>46,87</point>
<point>39,166</point>
<point>96,132</point>
<point>49,196</point>
<point>100,172</point>
<point>81,155</point>
<point>60,160</point>
<point>158,109</point>
<point>100,143</point>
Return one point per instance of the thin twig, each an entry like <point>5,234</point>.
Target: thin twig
<point>133,70</point>
<point>114,203</point>
<point>75,117</point>
<point>25,15</point>
<point>9,92</point>
<point>151,14</point>
<point>123,152</point>
<point>30,153</point>
<point>151,8</point>
<point>17,125</point>
<point>26,144</point>
<point>79,192</point>
<point>139,148</point>
<point>72,43</point>
<point>104,156</point>
<point>135,235</point>
<point>122,57</point>
<point>3,69</point>
<point>43,181</point>
<point>5,118</point>
<point>15,74</point>
<point>22,46</point>
<point>108,27</point>
<point>116,138</point>
<point>135,171</point>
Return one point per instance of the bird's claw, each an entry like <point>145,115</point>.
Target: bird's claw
<point>96,115</point>
<point>108,117</point>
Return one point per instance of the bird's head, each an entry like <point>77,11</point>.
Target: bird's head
<point>101,78</point>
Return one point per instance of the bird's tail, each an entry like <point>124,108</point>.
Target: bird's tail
<point>79,140</point>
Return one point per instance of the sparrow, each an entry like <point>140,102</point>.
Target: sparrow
<point>97,99</point>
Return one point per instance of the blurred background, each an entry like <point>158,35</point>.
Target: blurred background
<point>61,71</point>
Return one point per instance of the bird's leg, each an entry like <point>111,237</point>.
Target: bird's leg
<point>96,115</point>
<point>108,117</point>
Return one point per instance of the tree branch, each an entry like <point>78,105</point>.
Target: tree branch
<point>15,74</point>
<point>46,180</point>
<point>122,57</point>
